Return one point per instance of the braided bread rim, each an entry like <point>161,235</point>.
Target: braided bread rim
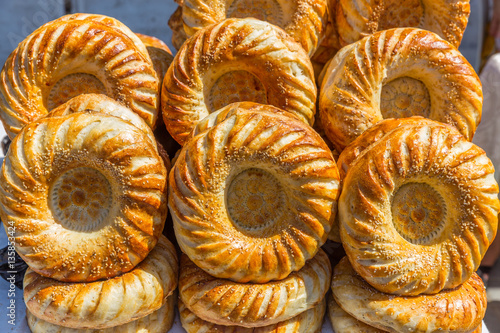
<point>353,26</point>
<point>421,313</point>
<point>23,94</point>
<point>159,321</point>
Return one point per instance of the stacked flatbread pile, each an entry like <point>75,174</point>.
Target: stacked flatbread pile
<point>419,204</point>
<point>253,191</point>
<point>84,185</point>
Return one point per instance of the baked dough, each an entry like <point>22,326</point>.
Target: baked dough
<point>85,194</point>
<point>456,310</point>
<point>159,321</point>
<point>107,303</point>
<point>418,210</point>
<point>253,195</point>
<point>309,321</point>
<point>160,54</point>
<point>109,22</point>
<point>397,74</point>
<point>303,20</point>
<point>236,60</point>
<point>356,19</point>
<point>179,36</point>
<point>359,145</point>
<point>102,104</point>
<point>230,303</point>
<point>73,55</point>
<point>330,44</point>
<point>342,322</point>
<point>371,136</point>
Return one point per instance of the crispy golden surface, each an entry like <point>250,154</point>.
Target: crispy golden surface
<point>253,193</point>
<point>419,208</point>
<point>398,73</point>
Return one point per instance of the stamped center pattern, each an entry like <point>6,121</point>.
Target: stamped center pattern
<point>71,86</point>
<point>236,86</point>
<point>80,199</point>
<point>264,10</point>
<point>418,213</point>
<point>255,200</point>
<point>405,97</point>
<point>400,13</point>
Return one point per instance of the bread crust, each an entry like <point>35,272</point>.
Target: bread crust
<point>92,189</point>
<point>455,310</point>
<point>309,321</point>
<point>396,74</point>
<point>179,36</point>
<point>343,322</point>
<point>160,321</point>
<point>253,195</point>
<point>230,303</point>
<point>102,104</point>
<point>236,60</point>
<point>371,136</point>
<point>72,55</point>
<point>419,209</point>
<point>330,44</point>
<point>357,19</point>
<point>106,303</point>
<point>303,20</point>
<point>160,55</point>
<point>109,22</point>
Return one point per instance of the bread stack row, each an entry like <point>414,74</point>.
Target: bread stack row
<point>253,192</point>
<point>254,188</point>
<point>418,210</point>
<point>419,204</point>
<point>84,184</point>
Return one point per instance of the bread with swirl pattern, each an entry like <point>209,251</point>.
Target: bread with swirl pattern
<point>398,73</point>
<point>76,54</point>
<point>419,208</point>
<point>86,195</point>
<point>253,193</point>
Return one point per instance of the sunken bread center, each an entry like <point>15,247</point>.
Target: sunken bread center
<point>405,97</point>
<point>399,13</point>
<point>73,85</point>
<point>80,199</point>
<point>255,200</point>
<point>419,213</point>
<point>236,86</point>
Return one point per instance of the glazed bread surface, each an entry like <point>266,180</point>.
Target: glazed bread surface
<point>357,19</point>
<point>303,20</point>
<point>93,194</point>
<point>398,73</point>
<point>160,321</point>
<point>343,322</point>
<point>102,104</point>
<point>73,55</point>
<point>309,321</point>
<point>236,60</point>
<point>253,194</point>
<point>460,309</point>
<point>418,210</point>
